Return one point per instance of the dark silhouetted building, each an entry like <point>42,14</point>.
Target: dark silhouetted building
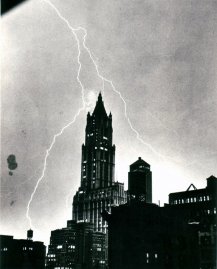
<point>21,253</point>
<point>98,190</point>
<point>198,207</point>
<point>77,246</point>
<point>144,235</point>
<point>180,235</point>
<point>140,181</point>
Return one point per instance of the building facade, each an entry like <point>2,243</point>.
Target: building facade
<point>76,246</point>
<point>198,207</point>
<point>21,253</point>
<point>140,181</point>
<point>180,235</point>
<point>98,190</point>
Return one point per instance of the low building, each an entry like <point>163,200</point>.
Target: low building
<point>198,206</point>
<point>180,235</point>
<point>77,246</point>
<point>144,235</point>
<point>21,253</point>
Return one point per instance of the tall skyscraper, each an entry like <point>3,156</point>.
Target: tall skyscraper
<point>83,243</point>
<point>98,190</point>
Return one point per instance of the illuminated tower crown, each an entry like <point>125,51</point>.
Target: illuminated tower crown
<point>98,153</point>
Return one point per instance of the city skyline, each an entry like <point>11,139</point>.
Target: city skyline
<point>44,102</point>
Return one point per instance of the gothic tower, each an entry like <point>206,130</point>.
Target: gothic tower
<point>98,153</point>
<point>98,190</point>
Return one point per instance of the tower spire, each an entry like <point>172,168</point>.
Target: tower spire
<point>99,109</point>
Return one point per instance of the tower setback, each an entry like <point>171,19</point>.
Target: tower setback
<point>98,190</point>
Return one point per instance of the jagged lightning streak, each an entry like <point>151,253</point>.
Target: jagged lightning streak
<point>45,161</point>
<point>121,97</point>
<point>74,31</point>
<point>105,79</point>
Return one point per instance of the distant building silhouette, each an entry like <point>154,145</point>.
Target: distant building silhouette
<point>98,190</point>
<point>140,181</point>
<point>198,207</point>
<point>83,244</point>
<point>21,253</point>
<point>76,246</point>
<point>180,235</point>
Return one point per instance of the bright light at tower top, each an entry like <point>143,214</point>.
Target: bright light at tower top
<point>90,99</point>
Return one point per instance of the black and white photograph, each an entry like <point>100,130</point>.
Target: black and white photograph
<point>108,134</point>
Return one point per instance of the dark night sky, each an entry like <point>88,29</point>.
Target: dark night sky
<point>162,58</point>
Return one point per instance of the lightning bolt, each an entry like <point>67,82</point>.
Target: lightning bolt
<point>74,32</point>
<point>104,80</point>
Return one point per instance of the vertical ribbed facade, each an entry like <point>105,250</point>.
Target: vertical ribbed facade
<point>98,153</point>
<point>98,190</point>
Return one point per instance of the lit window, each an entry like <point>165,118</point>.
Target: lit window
<point>155,255</point>
<point>59,246</point>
